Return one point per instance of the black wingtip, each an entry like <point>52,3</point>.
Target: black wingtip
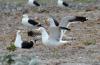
<point>55,21</point>
<point>81,18</point>
<point>64,28</point>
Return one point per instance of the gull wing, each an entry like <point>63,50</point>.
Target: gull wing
<point>65,21</point>
<point>54,33</point>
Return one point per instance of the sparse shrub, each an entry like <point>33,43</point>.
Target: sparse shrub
<point>7,59</point>
<point>11,47</point>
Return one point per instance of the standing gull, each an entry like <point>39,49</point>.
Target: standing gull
<point>22,44</point>
<point>29,22</point>
<point>62,3</point>
<point>33,3</point>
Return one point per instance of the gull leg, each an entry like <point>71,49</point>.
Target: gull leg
<point>62,34</point>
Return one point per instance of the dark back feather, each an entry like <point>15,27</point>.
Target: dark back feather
<point>27,45</point>
<point>32,22</point>
<point>64,28</point>
<point>36,3</point>
<point>65,4</point>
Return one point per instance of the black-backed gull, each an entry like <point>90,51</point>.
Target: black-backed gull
<point>22,44</point>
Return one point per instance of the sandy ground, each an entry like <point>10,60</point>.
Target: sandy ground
<point>75,53</point>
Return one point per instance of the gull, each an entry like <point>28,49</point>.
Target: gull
<point>22,44</point>
<point>51,39</point>
<point>29,22</point>
<point>62,3</point>
<point>33,3</point>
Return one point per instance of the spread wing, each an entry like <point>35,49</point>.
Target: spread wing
<point>54,33</point>
<point>65,21</point>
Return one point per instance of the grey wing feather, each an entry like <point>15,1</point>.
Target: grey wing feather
<point>54,33</point>
<point>65,21</point>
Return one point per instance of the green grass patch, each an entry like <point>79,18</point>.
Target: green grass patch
<point>11,47</point>
<point>89,42</point>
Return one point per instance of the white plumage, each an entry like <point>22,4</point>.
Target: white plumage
<point>25,20</point>
<point>18,40</point>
